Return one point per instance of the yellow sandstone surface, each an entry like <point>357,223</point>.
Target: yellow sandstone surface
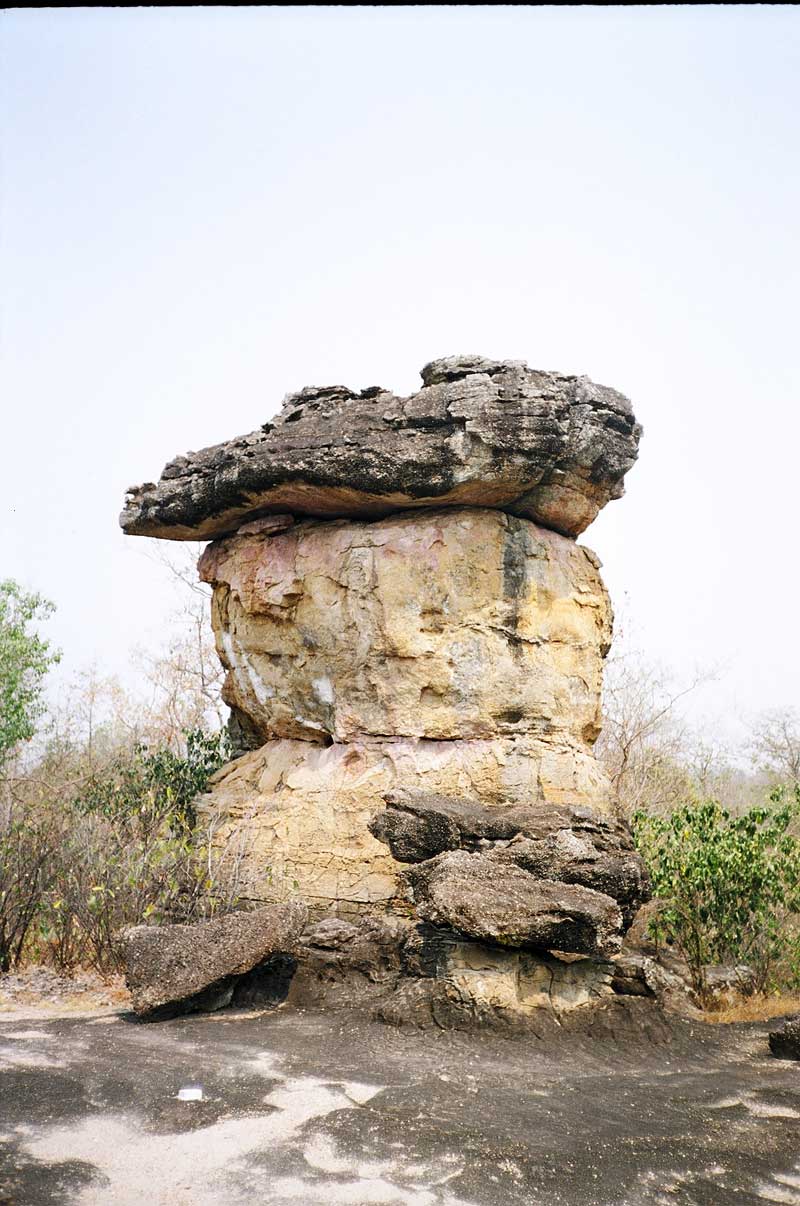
<point>456,651</point>
<point>301,810</point>
<point>445,625</point>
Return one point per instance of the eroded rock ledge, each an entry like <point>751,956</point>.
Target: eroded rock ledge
<point>547,446</point>
<point>562,843</point>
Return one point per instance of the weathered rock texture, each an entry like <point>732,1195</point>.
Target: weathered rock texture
<point>417,974</point>
<point>185,967</point>
<point>457,651</point>
<point>447,625</point>
<point>785,1041</point>
<point>553,842</point>
<point>483,898</point>
<point>486,433</point>
<point>414,647</point>
<point>485,987</point>
<point>304,809</point>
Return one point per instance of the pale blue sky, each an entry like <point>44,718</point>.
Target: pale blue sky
<point>205,208</point>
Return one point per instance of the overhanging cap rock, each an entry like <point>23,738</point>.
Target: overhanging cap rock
<point>545,446</point>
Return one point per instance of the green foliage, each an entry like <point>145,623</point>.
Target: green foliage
<point>731,886</point>
<point>25,659</point>
<point>157,784</point>
<point>127,849</point>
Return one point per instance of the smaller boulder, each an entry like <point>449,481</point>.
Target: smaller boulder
<point>641,976</point>
<point>558,842</point>
<point>185,968</point>
<point>499,903</point>
<point>414,834</point>
<point>785,1042</point>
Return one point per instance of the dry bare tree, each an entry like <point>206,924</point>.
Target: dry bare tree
<point>775,745</point>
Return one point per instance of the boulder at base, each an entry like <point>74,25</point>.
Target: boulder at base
<point>499,903</point>
<point>182,968</point>
<point>785,1042</point>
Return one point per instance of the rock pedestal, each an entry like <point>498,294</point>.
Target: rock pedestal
<point>458,651</point>
<point>403,613</point>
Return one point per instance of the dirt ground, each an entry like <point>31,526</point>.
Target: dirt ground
<point>42,990</point>
<point>299,1109</point>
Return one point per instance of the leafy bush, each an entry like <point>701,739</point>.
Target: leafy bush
<point>25,659</point>
<point>156,786</point>
<point>731,886</point>
<point>126,849</point>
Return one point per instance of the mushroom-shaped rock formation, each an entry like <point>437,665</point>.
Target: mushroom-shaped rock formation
<point>414,646</point>
<point>480,433</point>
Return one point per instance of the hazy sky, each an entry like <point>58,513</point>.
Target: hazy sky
<point>203,209</point>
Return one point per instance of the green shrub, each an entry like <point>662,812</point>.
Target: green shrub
<point>126,849</point>
<point>156,785</point>
<point>25,659</point>
<point>730,886</point>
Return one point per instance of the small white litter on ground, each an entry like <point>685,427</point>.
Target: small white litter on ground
<point>191,1093</point>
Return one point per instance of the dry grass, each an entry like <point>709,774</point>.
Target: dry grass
<point>43,988</point>
<point>754,1009</point>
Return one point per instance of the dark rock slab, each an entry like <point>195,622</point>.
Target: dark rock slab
<point>418,826</point>
<point>572,845</point>
<point>546,446</point>
<point>185,968</point>
<point>785,1041</point>
<point>499,903</point>
<point>411,815</point>
<point>341,963</point>
<point>592,860</point>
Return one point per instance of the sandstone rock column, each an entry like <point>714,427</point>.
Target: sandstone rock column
<point>400,604</point>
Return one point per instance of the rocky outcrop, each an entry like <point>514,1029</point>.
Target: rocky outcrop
<point>340,963</point>
<point>483,987</point>
<point>569,844</point>
<point>302,810</point>
<point>414,646</point>
<point>182,968</point>
<point>784,1042</point>
<point>415,974</point>
<point>458,652</point>
<point>482,898</point>
<point>484,433</point>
